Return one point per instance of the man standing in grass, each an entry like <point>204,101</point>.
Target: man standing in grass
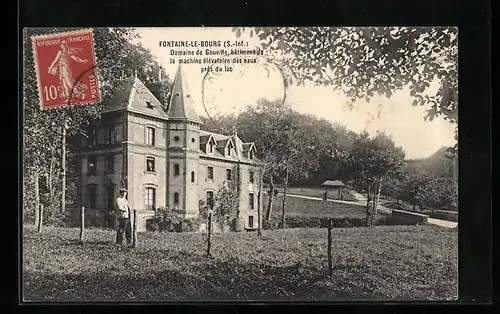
<point>123,214</point>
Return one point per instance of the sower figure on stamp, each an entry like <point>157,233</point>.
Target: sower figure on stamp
<point>123,215</point>
<point>61,66</point>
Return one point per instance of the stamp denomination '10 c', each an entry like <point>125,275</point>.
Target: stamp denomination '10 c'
<point>65,64</point>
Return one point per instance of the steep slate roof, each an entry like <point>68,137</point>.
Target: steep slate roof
<point>181,105</point>
<point>132,94</point>
<point>222,140</point>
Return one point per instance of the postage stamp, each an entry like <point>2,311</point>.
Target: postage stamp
<point>65,65</point>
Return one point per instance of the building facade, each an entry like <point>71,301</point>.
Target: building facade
<point>162,157</point>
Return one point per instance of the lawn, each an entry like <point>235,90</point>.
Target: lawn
<point>309,191</point>
<point>307,207</point>
<point>397,262</point>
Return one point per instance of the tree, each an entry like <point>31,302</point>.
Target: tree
<point>264,124</point>
<point>439,193</point>
<point>372,162</point>
<point>415,188</point>
<point>226,202</point>
<point>149,71</point>
<point>363,61</point>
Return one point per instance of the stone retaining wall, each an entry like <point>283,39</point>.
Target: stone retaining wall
<point>445,215</point>
<point>401,215</point>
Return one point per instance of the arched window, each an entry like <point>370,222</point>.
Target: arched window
<point>192,176</point>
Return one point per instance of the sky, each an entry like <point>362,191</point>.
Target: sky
<point>233,91</point>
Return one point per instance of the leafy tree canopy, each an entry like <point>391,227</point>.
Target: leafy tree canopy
<point>360,62</point>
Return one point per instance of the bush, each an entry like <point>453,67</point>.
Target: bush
<point>191,224</point>
<point>322,222</point>
<point>168,220</point>
<point>164,220</point>
<point>315,222</point>
<point>393,221</point>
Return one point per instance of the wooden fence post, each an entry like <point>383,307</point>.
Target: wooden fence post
<point>82,224</point>
<point>40,218</point>
<point>134,230</point>
<point>209,234</point>
<point>329,249</point>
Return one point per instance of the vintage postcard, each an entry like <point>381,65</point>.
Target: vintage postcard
<point>240,163</point>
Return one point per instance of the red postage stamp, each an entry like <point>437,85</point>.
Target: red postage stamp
<point>65,64</point>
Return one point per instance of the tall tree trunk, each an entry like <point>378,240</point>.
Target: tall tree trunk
<point>50,180</point>
<point>37,196</point>
<point>368,195</point>
<point>270,203</point>
<point>377,200</point>
<point>259,206</point>
<point>283,205</point>
<point>238,190</point>
<point>63,166</point>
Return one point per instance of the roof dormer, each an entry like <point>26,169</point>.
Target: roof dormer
<point>230,149</point>
<point>249,150</point>
<point>226,147</point>
<point>208,144</point>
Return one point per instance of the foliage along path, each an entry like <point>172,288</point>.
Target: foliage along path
<point>361,200</point>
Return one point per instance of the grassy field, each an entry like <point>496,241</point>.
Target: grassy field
<point>309,191</point>
<point>305,207</point>
<point>406,262</point>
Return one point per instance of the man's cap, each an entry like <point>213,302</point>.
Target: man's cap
<point>123,190</point>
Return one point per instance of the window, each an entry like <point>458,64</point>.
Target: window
<point>177,170</point>
<point>193,140</point>
<point>110,136</point>
<point>92,165</point>
<point>150,164</point>
<point>211,147</point>
<point>150,198</point>
<point>110,197</point>
<point>229,150</point>
<point>250,221</point>
<point>251,200</point>
<point>176,199</point>
<point>93,137</point>
<point>251,155</point>
<point>192,176</point>
<point>251,175</point>
<point>92,193</point>
<point>110,163</point>
<point>176,138</point>
<point>210,199</point>
<point>228,174</point>
<point>150,136</point>
<point>210,173</point>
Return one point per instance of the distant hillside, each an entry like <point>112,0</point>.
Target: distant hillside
<point>437,162</point>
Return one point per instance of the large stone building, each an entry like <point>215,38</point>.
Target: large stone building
<point>162,157</point>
